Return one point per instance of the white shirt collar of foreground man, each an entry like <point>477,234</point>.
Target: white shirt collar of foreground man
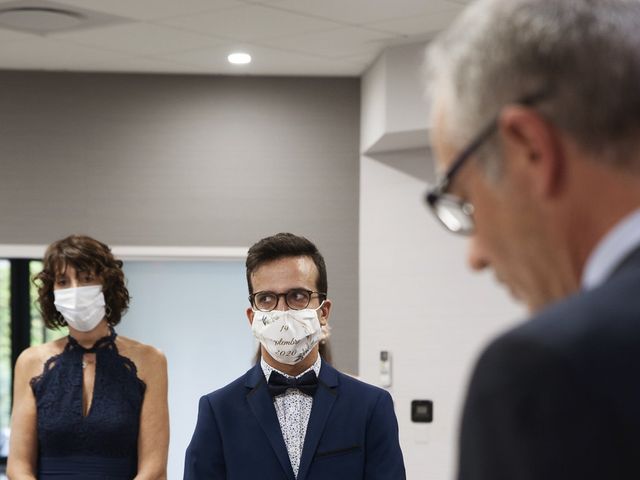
<point>623,239</point>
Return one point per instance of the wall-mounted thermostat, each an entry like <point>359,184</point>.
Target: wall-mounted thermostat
<point>422,411</point>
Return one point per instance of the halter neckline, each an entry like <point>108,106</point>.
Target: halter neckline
<point>103,342</point>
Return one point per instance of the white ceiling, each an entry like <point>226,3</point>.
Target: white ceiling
<point>284,37</point>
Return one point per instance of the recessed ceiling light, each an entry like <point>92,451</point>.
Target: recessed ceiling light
<point>239,58</point>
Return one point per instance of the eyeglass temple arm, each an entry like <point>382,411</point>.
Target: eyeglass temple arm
<point>485,133</point>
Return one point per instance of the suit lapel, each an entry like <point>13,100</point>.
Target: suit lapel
<point>323,401</point>
<point>261,404</point>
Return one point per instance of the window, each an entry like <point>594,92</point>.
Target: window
<point>5,354</point>
<point>20,326</point>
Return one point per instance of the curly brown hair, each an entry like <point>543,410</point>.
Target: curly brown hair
<point>85,254</point>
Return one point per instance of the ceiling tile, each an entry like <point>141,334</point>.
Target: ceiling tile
<point>140,38</point>
<point>336,43</point>
<point>151,9</point>
<point>420,24</point>
<point>44,21</point>
<point>365,11</point>
<point>364,59</point>
<point>286,37</point>
<point>266,61</point>
<point>48,54</point>
<point>147,65</point>
<point>251,22</point>
<point>12,36</point>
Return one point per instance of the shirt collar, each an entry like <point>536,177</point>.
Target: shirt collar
<point>619,242</point>
<point>267,369</point>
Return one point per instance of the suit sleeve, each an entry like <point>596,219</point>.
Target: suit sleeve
<point>383,457</point>
<point>204,458</point>
<point>528,415</point>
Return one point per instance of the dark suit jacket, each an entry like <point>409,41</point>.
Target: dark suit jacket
<point>352,433</point>
<point>559,396</point>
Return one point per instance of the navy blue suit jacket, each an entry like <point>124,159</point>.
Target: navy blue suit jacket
<point>352,433</point>
<point>558,398</point>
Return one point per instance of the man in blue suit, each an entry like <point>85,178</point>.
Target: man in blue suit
<point>293,416</point>
<point>537,129</point>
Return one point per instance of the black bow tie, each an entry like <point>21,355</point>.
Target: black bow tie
<point>278,383</point>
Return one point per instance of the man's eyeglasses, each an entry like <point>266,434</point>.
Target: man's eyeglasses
<point>455,213</point>
<point>296,299</point>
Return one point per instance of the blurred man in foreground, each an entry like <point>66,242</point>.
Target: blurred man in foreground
<point>537,132</point>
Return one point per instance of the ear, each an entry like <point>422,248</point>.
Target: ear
<point>323,313</point>
<point>533,149</point>
<point>249,313</point>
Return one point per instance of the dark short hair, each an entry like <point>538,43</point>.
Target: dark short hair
<point>85,254</point>
<point>283,245</point>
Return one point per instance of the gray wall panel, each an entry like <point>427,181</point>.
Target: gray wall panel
<point>186,160</point>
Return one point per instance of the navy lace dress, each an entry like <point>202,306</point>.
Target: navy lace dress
<point>104,443</point>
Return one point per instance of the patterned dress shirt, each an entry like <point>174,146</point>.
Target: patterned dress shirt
<point>293,409</point>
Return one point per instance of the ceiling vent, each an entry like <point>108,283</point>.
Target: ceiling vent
<point>45,17</point>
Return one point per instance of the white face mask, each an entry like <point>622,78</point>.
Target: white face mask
<point>81,307</point>
<point>288,335</point>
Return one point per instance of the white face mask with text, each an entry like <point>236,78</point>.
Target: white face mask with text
<point>288,335</point>
<point>81,307</point>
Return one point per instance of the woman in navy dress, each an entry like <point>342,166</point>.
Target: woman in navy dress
<point>92,405</point>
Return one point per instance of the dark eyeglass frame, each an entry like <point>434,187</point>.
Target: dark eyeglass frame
<point>310,293</point>
<point>436,195</point>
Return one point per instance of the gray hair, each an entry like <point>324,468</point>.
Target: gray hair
<point>586,52</point>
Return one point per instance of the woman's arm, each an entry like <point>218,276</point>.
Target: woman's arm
<point>23,449</point>
<point>153,442</point>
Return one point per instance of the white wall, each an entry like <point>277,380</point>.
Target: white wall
<point>194,313</point>
<point>417,298</point>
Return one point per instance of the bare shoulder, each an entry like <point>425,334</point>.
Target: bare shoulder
<point>149,360</point>
<point>30,362</point>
